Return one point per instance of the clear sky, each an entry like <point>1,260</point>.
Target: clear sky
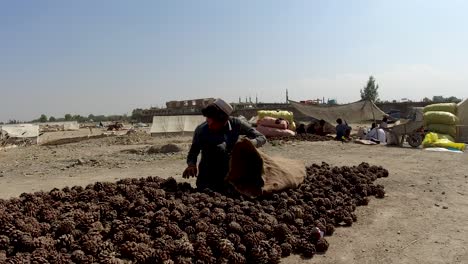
<point>110,56</point>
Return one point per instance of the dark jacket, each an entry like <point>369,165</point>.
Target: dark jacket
<point>216,149</point>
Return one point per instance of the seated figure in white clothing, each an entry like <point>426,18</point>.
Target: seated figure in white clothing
<point>376,135</point>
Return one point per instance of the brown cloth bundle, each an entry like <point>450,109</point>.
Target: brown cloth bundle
<point>254,173</point>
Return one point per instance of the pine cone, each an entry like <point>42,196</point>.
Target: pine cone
<point>258,255</point>
<point>237,258</point>
<point>4,242</point>
<point>65,241</point>
<point>203,253</point>
<point>190,230</point>
<point>322,246</point>
<point>106,257</point>
<point>160,256</point>
<point>235,239</point>
<point>174,231</point>
<point>308,250</point>
<point>64,227</point>
<point>202,226</point>
<point>286,250</point>
<point>182,260</point>
<point>226,247</point>
<point>275,254</point>
<point>185,248</point>
<point>281,232</point>
<point>241,249</point>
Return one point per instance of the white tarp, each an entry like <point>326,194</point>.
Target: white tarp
<point>20,131</point>
<point>176,124</point>
<point>65,126</point>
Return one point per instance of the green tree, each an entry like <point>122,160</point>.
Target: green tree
<point>370,92</point>
<point>68,117</point>
<point>43,118</point>
<point>52,119</point>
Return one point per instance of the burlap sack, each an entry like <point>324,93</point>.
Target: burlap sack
<point>254,173</point>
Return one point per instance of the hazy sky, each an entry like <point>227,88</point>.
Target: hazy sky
<point>108,57</point>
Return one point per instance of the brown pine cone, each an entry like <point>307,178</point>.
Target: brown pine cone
<point>4,242</point>
<point>65,241</point>
<point>160,256</point>
<point>258,255</point>
<point>174,231</point>
<point>286,250</point>
<point>185,248</point>
<point>226,247</point>
<point>308,250</point>
<point>182,260</point>
<point>204,254</point>
<point>235,239</point>
<point>281,232</point>
<point>237,258</point>
<point>322,246</point>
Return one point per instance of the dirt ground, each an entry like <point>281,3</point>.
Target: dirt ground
<point>423,219</point>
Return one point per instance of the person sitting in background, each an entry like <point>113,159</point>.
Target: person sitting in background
<point>343,131</point>
<point>321,129</point>
<point>301,129</point>
<point>384,123</point>
<point>311,128</point>
<point>376,135</point>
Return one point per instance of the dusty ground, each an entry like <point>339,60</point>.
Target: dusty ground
<point>422,220</point>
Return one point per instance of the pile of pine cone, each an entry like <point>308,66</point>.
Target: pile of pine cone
<point>154,220</point>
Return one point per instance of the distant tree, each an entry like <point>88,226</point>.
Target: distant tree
<point>43,118</point>
<point>52,119</point>
<point>453,99</point>
<point>426,100</point>
<point>91,117</point>
<point>438,99</point>
<point>370,92</point>
<point>441,99</point>
<point>68,117</point>
<point>394,101</point>
<point>137,114</point>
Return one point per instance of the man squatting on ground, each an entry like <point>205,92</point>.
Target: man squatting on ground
<point>216,138</point>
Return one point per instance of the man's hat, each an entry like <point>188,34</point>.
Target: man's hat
<point>225,107</point>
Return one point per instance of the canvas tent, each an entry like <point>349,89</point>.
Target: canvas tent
<point>19,132</point>
<point>356,112</point>
<point>463,125</point>
<point>175,124</point>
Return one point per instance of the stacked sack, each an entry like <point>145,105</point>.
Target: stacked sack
<point>275,123</point>
<point>441,118</point>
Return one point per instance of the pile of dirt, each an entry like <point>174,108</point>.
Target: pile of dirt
<point>165,149</point>
<point>64,141</point>
<point>302,137</point>
<point>154,220</point>
<point>133,138</point>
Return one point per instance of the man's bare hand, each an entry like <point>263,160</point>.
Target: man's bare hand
<point>190,171</point>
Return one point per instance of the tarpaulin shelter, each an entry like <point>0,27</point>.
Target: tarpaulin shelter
<point>175,124</point>
<point>462,128</point>
<point>356,112</point>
